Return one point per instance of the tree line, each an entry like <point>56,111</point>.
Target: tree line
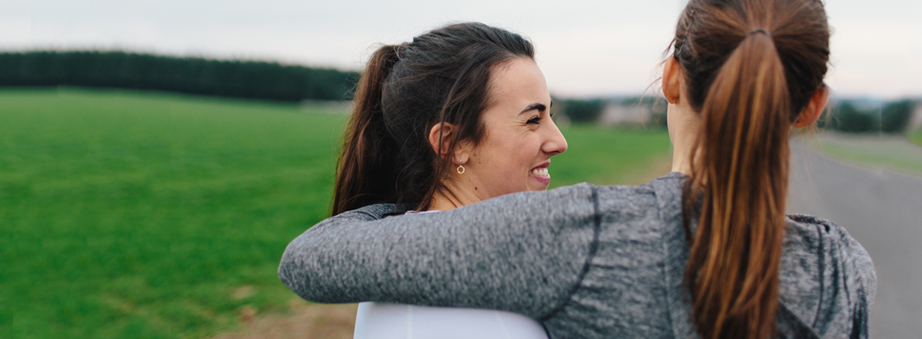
<point>273,81</point>
<point>225,78</point>
<point>851,117</point>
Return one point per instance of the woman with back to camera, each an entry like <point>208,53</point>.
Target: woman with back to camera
<point>705,251</point>
<point>458,115</point>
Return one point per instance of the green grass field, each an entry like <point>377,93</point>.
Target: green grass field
<point>607,156</point>
<point>916,137</point>
<point>150,215</point>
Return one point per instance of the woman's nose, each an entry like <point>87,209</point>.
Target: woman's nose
<point>555,143</point>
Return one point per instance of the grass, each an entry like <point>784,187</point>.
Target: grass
<point>916,137</point>
<point>150,215</point>
<point>608,156</point>
<point>892,152</point>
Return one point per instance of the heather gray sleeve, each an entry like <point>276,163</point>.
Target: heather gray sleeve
<point>836,276</point>
<point>859,267</point>
<point>860,280</point>
<point>522,252</point>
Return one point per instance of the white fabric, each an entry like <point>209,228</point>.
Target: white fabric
<point>393,321</point>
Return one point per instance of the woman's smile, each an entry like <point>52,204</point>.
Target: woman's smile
<point>541,174</point>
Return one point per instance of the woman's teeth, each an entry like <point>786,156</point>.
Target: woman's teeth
<point>540,171</point>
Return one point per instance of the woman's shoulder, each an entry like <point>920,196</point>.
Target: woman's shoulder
<point>670,184</point>
<point>658,199</point>
<point>813,236</point>
<point>827,277</point>
<point>809,235</point>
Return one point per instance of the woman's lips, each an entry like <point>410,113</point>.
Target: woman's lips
<point>541,173</point>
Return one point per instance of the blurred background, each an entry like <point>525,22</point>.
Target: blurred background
<point>156,157</point>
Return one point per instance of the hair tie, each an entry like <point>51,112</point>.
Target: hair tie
<point>760,31</point>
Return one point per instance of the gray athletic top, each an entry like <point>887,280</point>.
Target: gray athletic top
<point>586,261</point>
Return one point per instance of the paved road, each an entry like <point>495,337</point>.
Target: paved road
<point>883,211</point>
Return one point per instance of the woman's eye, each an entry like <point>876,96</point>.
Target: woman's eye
<point>534,120</point>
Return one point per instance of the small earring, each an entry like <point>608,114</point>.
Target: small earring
<point>461,169</point>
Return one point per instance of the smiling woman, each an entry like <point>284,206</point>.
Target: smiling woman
<point>459,115</point>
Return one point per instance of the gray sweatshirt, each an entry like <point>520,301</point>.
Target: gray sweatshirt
<point>586,261</point>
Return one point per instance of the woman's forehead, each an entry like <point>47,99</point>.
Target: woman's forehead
<point>518,82</point>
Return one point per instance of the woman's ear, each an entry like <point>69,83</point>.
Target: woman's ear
<point>814,108</point>
<point>440,138</point>
<point>672,87</point>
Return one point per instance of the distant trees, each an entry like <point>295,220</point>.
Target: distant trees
<point>583,110</point>
<point>273,81</point>
<point>847,116</point>
<point>240,79</point>
<point>646,111</point>
<point>895,116</point>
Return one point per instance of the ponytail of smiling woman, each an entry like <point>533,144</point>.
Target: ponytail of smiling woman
<point>367,144</point>
<point>750,66</point>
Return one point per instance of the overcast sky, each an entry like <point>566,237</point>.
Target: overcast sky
<point>585,48</point>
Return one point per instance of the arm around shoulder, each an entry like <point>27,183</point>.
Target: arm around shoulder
<point>521,252</point>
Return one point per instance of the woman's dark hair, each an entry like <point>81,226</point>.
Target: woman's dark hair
<point>440,77</point>
<point>751,67</point>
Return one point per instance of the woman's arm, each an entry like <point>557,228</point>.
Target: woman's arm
<point>521,252</point>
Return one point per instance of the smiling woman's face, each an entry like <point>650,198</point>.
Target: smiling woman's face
<point>520,137</point>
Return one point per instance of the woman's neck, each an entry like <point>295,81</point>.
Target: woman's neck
<point>452,196</point>
<point>681,160</point>
<point>684,125</point>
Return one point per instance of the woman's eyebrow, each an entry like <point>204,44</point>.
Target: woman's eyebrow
<point>535,106</point>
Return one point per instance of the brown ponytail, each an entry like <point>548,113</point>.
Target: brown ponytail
<point>743,172</point>
<point>751,66</point>
<point>440,77</point>
<point>365,171</point>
